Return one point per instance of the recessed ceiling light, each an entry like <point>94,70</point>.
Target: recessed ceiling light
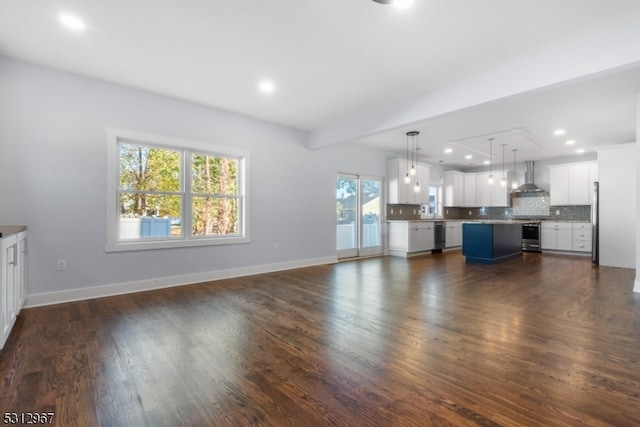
<point>571,142</point>
<point>398,4</point>
<point>72,22</point>
<point>448,150</point>
<point>487,162</point>
<point>402,4</point>
<point>580,150</point>
<point>266,87</point>
<point>559,132</point>
<point>468,156</point>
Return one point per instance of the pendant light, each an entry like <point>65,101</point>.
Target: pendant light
<point>514,182</point>
<point>503,181</point>
<point>490,158</point>
<point>413,135</point>
<point>407,178</point>
<point>414,143</point>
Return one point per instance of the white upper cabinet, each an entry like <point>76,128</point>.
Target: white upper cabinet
<point>572,183</point>
<point>473,189</point>
<point>470,180</point>
<point>483,189</point>
<point>399,191</point>
<point>453,182</point>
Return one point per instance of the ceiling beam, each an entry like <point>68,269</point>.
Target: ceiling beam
<point>583,59</point>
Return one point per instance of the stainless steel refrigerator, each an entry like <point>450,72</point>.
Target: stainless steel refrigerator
<point>595,223</point>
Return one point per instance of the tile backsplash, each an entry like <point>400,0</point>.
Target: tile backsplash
<point>530,206</point>
<point>403,212</point>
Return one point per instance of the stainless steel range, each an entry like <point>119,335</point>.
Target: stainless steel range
<point>531,237</point>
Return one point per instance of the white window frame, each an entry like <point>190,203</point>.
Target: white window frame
<point>113,244</point>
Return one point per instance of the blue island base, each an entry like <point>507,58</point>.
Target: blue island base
<point>488,243</point>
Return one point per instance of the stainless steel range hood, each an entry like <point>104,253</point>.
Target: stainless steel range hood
<point>529,186</point>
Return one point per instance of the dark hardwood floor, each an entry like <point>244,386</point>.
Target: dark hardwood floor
<point>545,340</point>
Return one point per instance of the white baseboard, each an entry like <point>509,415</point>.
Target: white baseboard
<point>50,298</point>
<point>636,285</point>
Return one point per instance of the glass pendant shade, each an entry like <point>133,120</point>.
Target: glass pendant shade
<point>490,180</point>
<point>416,189</point>
<point>407,178</point>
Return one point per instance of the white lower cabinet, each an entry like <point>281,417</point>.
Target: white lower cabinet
<point>12,281</point>
<point>581,237</point>
<point>408,237</point>
<point>566,236</point>
<point>453,236</point>
<point>556,236</point>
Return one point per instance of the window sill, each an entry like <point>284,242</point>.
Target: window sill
<point>171,244</point>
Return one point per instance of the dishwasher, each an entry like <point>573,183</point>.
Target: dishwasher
<point>439,235</point>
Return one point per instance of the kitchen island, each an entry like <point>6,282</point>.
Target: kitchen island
<point>488,242</point>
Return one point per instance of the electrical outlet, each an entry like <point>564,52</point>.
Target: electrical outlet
<point>469,212</point>
<point>400,211</point>
<point>557,211</point>
<point>62,265</point>
<point>391,210</point>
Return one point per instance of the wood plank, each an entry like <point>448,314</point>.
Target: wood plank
<point>541,340</point>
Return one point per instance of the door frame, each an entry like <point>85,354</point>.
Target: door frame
<point>360,250</point>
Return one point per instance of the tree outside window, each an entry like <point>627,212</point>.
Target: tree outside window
<point>176,194</point>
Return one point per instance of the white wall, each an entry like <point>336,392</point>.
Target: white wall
<point>53,179</point>
<point>636,286</point>
<point>616,172</point>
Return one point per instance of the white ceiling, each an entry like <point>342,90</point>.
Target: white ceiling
<point>335,60</point>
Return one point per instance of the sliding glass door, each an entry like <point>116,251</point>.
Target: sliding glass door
<point>358,215</point>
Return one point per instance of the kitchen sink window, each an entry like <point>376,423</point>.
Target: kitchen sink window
<point>435,200</point>
<point>165,193</point>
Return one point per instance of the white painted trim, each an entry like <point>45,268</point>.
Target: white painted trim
<point>636,285</point>
<point>50,298</point>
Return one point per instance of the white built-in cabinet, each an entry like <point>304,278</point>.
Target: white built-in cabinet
<point>473,189</point>
<point>470,180</point>
<point>453,234</point>
<point>399,191</point>
<point>572,183</point>
<point>407,237</point>
<point>453,182</point>
<point>566,236</point>
<point>556,236</point>
<point>581,236</point>
<point>13,282</point>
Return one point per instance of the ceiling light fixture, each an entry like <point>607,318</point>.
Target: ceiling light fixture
<point>72,22</point>
<point>571,142</point>
<point>407,178</point>
<point>514,182</point>
<point>448,150</point>
<point>468,157</point>
<point>413,135</point>
<point>398,4</point>
<point>490,156</point>
<point>580,150</point>
<point>559,132</point>
<point>503,181</point>
<point>266,87</point>
<point>414,143</point>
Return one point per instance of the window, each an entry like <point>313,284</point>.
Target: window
<point>164,192</point>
